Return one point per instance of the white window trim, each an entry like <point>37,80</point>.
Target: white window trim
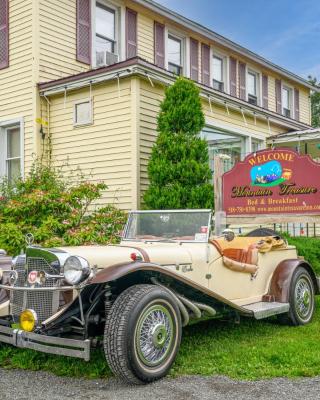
<point>285,85</point>
<point>258,84</point>
<point>236,131</point>
<point>119,28</point>
<point>224,129</point>
<point>3,162</point>
<point>90,121</point>
<point>185,45</point>
<point>225,69</point>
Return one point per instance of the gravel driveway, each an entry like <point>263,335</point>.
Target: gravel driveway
<point>25,385</point>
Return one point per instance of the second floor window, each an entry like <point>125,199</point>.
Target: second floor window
<point>286,101</point>
<point>175,55</point>
<point>217,72</point>
<point>105,35</point>
<point>252,87</point>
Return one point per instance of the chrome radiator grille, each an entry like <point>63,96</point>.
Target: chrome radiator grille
<point>44,303</point>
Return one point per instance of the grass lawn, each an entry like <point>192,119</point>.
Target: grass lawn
<point>251,350</point>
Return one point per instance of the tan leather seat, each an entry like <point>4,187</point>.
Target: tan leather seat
<point>247,256</point>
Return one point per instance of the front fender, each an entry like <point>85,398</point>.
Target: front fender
<point>118,271</point>
<point>279,289</point>
<point>124,274</point>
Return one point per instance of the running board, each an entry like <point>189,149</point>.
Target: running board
<point>265,309</point>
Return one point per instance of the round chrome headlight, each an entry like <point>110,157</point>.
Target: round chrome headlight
<point>76,270</point>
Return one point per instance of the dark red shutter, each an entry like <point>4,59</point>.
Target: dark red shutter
<point>278,97</point>
<point>4,34</point>
<point>131,33</point>
<point>233,76</point>
<point>84,31</point>
<point>194,59</point>
<point>296,105</point>
<point>242,81</point>
<point>265,92</point>
<point>205,64</point>
<point>159,44</point>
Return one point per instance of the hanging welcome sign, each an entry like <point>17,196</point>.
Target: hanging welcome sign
<point>276,181</point>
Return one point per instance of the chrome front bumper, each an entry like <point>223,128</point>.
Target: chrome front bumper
<point>46,344</point>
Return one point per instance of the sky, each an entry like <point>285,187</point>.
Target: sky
<point>286,32</point>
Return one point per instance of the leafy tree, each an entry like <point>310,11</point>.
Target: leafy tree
<point>56,209</point>
<point>315,103</point>
<point>178,169</point>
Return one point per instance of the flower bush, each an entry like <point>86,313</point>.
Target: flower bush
<point>57,210</point>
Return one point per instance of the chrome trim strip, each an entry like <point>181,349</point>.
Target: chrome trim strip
<point>46,344</point>
<point>39,289</point>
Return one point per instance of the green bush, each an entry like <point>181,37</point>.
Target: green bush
<point>178,169</point>
<point>309,248</point>
<point>55,210</point>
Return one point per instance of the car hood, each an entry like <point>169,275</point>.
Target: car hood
<point>105,256</point>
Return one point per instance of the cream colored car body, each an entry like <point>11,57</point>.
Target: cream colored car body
<point>201,263</point>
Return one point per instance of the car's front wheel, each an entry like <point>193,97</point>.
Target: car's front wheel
<point>142,334</point>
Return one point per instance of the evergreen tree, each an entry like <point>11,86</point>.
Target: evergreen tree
<point>315,104</point>
<point>178,169</point>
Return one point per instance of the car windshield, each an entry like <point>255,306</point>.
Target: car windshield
<point>168,225</point>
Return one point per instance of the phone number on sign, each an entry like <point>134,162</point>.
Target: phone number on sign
<point>252,209</point>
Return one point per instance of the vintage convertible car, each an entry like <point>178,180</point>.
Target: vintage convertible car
<point>135,297</point>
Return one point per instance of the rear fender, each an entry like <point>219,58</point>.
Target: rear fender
<point>280,283</point>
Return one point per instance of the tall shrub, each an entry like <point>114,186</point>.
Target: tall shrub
<point>56,211</point>
<point>178,169</point>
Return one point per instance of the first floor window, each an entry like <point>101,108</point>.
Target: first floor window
<point>83,112</point>
<point>175,55</point>
<point>224,143</point>
<point>256,145</point>
<point>10,158</point>
<point>286,101</point>
<point>217,72</point>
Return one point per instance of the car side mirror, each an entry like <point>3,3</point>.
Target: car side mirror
<point>228,235</point>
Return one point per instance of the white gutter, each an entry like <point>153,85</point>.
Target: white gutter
<point>167,79</point>
<point>208,33</point>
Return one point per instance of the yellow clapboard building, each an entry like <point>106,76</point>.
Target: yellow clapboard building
<point>81,81</point>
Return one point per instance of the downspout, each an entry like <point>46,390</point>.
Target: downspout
<point>48,131</point>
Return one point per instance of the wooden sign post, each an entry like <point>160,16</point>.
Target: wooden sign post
<point>219,214</point>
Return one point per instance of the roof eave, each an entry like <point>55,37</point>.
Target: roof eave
<point>150,71</point>
<point>206,32</point>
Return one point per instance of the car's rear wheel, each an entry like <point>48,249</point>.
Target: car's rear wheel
<point>142,334</point>
<point>301,299</point>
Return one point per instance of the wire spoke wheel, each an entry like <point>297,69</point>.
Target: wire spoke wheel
<point>142,334</point>
<point>154,335</point>
<point>303,298</point>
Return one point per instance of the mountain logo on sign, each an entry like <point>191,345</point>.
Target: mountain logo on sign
<point>269,174</point>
